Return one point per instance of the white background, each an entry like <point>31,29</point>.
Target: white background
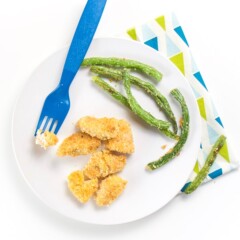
<point>32,30</point>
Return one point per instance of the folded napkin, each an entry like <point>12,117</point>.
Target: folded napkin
<point>166,35</point>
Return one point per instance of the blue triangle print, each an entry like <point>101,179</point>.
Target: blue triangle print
<point>180,33</point>
<point>175,22</point>
<point>212,134</point>
<point>194,66</point>
<point>198,76</point>
<point>152,43</point>
<point>172,48</point>
<point>185,186</point>
<point>147,33</point>
<point>215,174</point>
<point>218,119</point>
<point>197,95</point>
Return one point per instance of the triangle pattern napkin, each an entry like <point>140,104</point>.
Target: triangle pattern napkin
<point>166,35</point>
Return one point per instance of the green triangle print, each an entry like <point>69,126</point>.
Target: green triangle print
<point>196,168</point>
<point>179,62</point>
<point>132,33</point>
<point>161,21</point>
<point>224,152</point>
<point>201,106</point>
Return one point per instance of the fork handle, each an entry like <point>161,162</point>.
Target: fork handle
<point>82,38</point>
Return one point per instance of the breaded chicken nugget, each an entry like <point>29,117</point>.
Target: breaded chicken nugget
<point>96,167</point>
<point>110,188</point>
<point>78,144</point>
<point>46,139</point>
<point>123,143</point>
<point>102,128</point>
<point>82,190</point>
<point>103,163</point>
<point>115,163</point>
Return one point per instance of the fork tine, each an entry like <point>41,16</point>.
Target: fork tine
<point>45,124</point>
<point>59,124</point>
<point>52,124</point>
<point>42,116</point>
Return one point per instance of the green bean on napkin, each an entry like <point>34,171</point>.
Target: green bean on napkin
<point>207,165</point>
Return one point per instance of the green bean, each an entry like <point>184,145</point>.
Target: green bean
<point>138,110</point>
<point>125,63</point>
<point>183,137</point>
<point>122,99</point>
<point>146,86</point>
<point>207,165</point>
<point>112,91</point>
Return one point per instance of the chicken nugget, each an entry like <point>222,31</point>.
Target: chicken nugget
<point>81,190</point>
<point>115,163</point>
<point>123,143</point>
<point>102,128</point>
<point>103,163</point>
<point>78,144</point>
<point>110,189</point>
<point>96,166</point>
<point>46,139</point>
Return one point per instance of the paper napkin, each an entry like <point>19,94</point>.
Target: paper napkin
<point>166,35</point>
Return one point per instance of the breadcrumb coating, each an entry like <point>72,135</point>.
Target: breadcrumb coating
<point>78,144</point>
<point>81,190</point>
<point>46,139</point>
<point>96,167</point>
<point>102,128</point>
<point>110,189</point>
<point>123,143</point>
<point>103,163</point>
<point>115,163</point>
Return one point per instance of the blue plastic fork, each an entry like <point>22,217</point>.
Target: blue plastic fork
<point>57,103</point>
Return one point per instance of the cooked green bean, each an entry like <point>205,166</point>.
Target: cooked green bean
<point>146,86</point>
<point>183,137</point>
<point>207,165</point>
<point>124,63</point>
<point>122,99</point>
<point>138,110</point>
<point>112,91</point>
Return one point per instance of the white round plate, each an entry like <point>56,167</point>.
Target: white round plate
<point>146,192</point>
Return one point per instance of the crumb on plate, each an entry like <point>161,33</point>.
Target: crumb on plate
<point>163,146</point>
